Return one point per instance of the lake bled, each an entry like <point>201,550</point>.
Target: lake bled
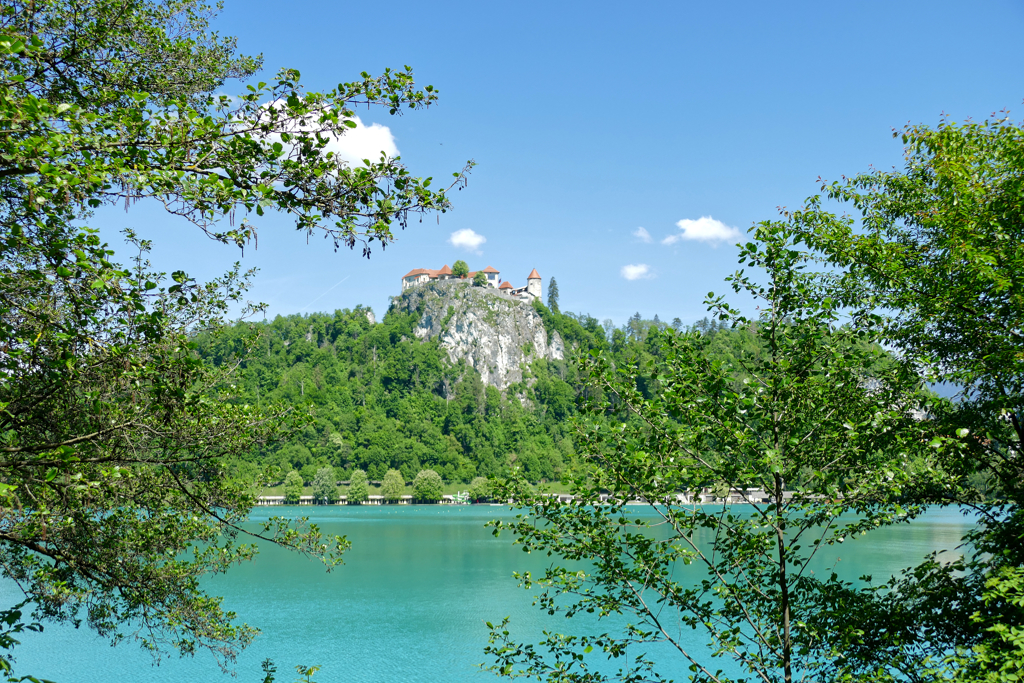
<point>408,605</point>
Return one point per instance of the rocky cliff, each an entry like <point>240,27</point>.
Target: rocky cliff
<point>492,333</point>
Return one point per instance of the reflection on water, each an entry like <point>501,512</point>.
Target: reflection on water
<point>409,604</point>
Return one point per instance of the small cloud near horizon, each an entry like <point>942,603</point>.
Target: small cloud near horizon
<point>467,239</point>
<point>704,229</point>
<point>636,271</point>
<point>642,235</point>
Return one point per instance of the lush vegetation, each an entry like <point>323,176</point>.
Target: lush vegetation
<point>112,430</point>
<point>821,424</point>
<point>134,425</point>
<point>380,399</point>
<point>813,424</point>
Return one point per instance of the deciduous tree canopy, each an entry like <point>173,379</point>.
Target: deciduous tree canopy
<point>820,421</point>
<point>112,430</point>
<point>936,261</point>
<point>393,486</point>
<point>427,486</point>
<point>817,424</point>
<point>358,487</point>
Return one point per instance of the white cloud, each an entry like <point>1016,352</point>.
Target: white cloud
<point>353,145</point>
<point>364,142</point>
<point>467,239</point>
<point>642,235</point>
<point>704,229</point>
<point>636,271</point>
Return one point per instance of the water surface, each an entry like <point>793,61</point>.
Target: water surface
<point>408,605</point>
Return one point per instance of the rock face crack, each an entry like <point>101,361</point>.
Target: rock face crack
<point>492,333</point>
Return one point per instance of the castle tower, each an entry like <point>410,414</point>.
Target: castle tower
<point>533,283</point>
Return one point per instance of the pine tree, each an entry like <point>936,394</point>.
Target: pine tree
<point>553,295</point>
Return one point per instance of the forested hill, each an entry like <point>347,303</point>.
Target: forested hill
<point>382,398</point>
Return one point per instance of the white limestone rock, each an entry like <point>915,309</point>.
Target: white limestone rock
<point>491,332</point>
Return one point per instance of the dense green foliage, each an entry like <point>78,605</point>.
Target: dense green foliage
<point>427,486</point>
<point>379,401</point>
<point>939,250</point>
<point>553,295</point>
<point>480,489</point>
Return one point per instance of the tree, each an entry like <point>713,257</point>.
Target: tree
<point>756,431</point>
<point>114,433</point>
<point>427,486</point>
<point>553,295</point>
<point>635,326</point>
<point>479,280</point>
<point>358,487</point>
<point>292,487</point>
<point>325,487</point>
<point>936,258</point>
<point>460,269</point>
<point>480,488</point>
<point>393,487</point>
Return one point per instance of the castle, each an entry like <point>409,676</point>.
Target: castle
<point>531,291</point>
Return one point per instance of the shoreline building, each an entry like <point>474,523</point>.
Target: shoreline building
<point>531,291</point>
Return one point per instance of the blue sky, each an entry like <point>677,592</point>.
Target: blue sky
<point>591,120</point>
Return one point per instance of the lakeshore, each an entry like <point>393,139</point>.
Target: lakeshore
<point>736,496</point>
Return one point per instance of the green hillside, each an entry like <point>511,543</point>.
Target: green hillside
<point>380,398</point>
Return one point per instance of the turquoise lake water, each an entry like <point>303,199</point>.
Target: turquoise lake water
<point>409,604</point>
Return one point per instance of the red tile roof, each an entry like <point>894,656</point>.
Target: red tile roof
<point>416,271</point>
<point>505,285</point>
<point>533,274</point>
<point>434,274</point>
